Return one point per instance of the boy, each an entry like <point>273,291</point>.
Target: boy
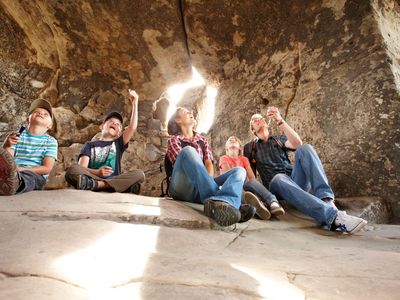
<point>193,179</point>
<point>99,164</point>
<point>27,158</point>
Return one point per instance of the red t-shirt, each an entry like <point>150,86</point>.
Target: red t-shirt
<point>240,161</point>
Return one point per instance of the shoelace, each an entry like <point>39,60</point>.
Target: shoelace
<point>342,227</point>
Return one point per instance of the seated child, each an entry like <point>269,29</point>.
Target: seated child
<point>256,194</point>
<point>99,164</point>
<point>27,157</point>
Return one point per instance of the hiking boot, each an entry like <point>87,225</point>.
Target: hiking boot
<point>86,183</point>
<point>134,188</point>
<point>261,210</point>
<point>329,201</point>
<point>221,212</point>
<point>347,223</point>
<point>9,181</point>
<point>276,209</point>
<point>247,211</point>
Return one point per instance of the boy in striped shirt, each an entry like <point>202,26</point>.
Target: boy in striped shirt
<point>27,158</point>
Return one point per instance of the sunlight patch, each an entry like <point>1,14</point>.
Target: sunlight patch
<point>207,109</point>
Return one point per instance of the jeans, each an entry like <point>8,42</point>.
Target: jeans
<point>254,186</point>
<point>30,181</point>
<point>191,182</point>
<point>308,173</point>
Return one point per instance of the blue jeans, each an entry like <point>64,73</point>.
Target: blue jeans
<point>254,186</point>
<point>30,181</point>
<point>191,182</point>
<point>308,173</point>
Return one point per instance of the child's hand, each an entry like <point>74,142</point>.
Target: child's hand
<point>105,171</point>
<point>11,139</point>
<point>133,96</point>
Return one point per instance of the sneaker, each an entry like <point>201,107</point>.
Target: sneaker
<point>261,210</point>
<point>247,211</point>
<point>329,201</point>
<point>347,223</point>
<point>135,188</point>
<point>9,181</point>
<point>221,212</point>
<point>276,209</point>
<point>86,183</point>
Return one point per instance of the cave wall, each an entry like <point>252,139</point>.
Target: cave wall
<point>324,64</point>
<point>332,67</point>
<point>83,56</point>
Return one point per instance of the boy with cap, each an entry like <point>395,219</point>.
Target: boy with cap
<point>27,157</point>
<point>99,164</point>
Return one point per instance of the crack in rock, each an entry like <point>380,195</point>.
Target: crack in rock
<point>123,218</point>
<point>26,275</point>
<point>240,233</point>
<point>234,290</point>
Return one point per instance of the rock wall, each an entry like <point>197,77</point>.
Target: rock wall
<point>332,68</point>
<point>325,65</point>
<point>83,56</point>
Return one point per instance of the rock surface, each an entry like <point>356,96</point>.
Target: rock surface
<point>332,68</point>
<point>82,245</point>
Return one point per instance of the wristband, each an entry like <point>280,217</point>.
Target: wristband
<point>280,122</point>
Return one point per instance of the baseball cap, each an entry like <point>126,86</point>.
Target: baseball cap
<point>41,103</point>
<point>113,114</point>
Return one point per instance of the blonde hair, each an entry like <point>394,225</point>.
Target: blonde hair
<point>237,140</point>
<point>251,121</point>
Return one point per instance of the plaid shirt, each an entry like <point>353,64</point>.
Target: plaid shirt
<point>174,146</point>
<point>271,159</point>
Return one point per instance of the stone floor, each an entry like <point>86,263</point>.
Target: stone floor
<point>70,244</point>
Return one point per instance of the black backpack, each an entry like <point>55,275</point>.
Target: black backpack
<point>168,167</point>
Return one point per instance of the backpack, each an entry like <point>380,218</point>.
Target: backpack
<point>168,167</point>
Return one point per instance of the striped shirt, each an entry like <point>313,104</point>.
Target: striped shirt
<point>31,150</point>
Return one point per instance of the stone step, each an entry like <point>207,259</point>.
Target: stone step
<point>373,209</point>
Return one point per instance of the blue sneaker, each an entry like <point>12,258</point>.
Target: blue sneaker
<point>86,183</point>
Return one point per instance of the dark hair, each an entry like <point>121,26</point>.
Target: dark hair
<point>173,127</point>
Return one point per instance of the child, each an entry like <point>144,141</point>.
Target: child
<point>99,164</point>
<point>27,157</point>
<point>254,189</point>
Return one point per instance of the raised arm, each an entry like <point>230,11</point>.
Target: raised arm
<point>294,139</point>
<point>131,129</point>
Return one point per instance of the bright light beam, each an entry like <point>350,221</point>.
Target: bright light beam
<point>206,115</point>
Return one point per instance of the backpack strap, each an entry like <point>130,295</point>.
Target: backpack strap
<point>249,151</point>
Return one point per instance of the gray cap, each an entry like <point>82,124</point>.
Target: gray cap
<point>41,103</point>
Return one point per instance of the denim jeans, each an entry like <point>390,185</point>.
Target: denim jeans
<point>308,173</point>
<point>30,181</point>
<point>254,186</point>
<point>191,182</point>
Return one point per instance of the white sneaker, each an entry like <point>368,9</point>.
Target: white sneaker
<point>348,223</point>
<point>261,211</point>
<point>276,209</point>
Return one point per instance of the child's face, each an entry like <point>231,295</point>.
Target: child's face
<point>232,147</point>
<point>112,127</point>
<point>40,116</point>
